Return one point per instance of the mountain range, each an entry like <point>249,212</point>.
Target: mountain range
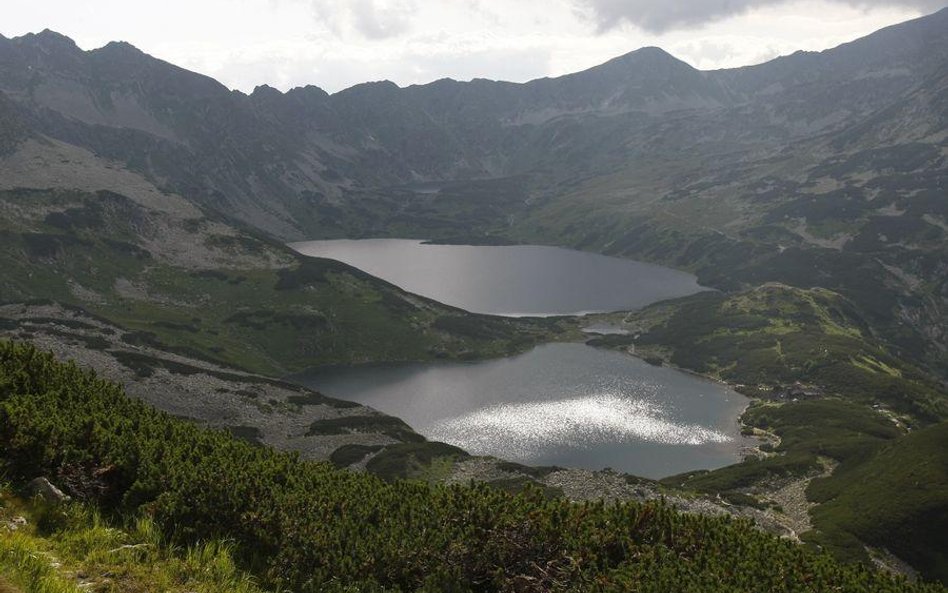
<point>265,156</point>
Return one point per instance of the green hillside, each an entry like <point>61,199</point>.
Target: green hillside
<point>896,499</point>
<point>199,286</point>
<point>774,335</point>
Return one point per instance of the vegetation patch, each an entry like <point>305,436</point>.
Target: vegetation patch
<point>346,455</point>
<point>48,246</point>
<point>730,479</point>
<point>405,460</point>
<point>518,484</point>
<point>387,425</point>
<point>91,342</point>
<point>309,398</point>
<point>247,433</point>
<point>264,320</point>
<point>308,272</point>
<point>538,472</point>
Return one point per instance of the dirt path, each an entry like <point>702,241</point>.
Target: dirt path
<point>883,559</point>
<point>791,498</point>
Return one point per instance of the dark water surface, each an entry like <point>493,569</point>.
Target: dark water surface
<point>510,280</point>
<point>559,404</point>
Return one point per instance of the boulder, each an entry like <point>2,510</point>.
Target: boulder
<point>46,490</point>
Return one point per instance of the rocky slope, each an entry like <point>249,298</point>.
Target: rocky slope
<point>252,407</point>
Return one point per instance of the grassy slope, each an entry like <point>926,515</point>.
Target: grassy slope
<point>307,527</point>
<point>896,499</point>
<point>56,545</point>
<point>775,335</point>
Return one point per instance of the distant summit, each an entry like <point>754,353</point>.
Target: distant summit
<point>50,38</point>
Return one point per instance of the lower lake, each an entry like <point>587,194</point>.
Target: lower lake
<point>570,405</point>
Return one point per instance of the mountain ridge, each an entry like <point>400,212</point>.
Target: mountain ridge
<point>931,20</point>
<point>530,103</point>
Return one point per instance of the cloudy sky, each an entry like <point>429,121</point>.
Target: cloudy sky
<point>337,43</point>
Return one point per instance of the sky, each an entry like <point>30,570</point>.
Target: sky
<point>335,44</point>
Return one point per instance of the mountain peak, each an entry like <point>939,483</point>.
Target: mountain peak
<point>377,87</point>
<point>651,51</point>
<point>51,39</point>
<point>265,90</point>
<point>121,51</point>
<point>50,34</point>
<point>121,46</point>
<point>647,56</point>
<point>307,92</point>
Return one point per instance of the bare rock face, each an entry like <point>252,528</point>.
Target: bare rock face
<point>44,489</point>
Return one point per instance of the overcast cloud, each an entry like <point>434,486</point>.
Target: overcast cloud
<point>374,19</point>
<point>335,44</point>
<point>662,15</point>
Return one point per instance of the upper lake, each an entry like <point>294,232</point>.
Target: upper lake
<point>512,280</point>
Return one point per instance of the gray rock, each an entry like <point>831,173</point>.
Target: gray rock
<point>46,490</point>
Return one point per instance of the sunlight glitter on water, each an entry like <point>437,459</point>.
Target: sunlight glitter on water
<point>531,428</point>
